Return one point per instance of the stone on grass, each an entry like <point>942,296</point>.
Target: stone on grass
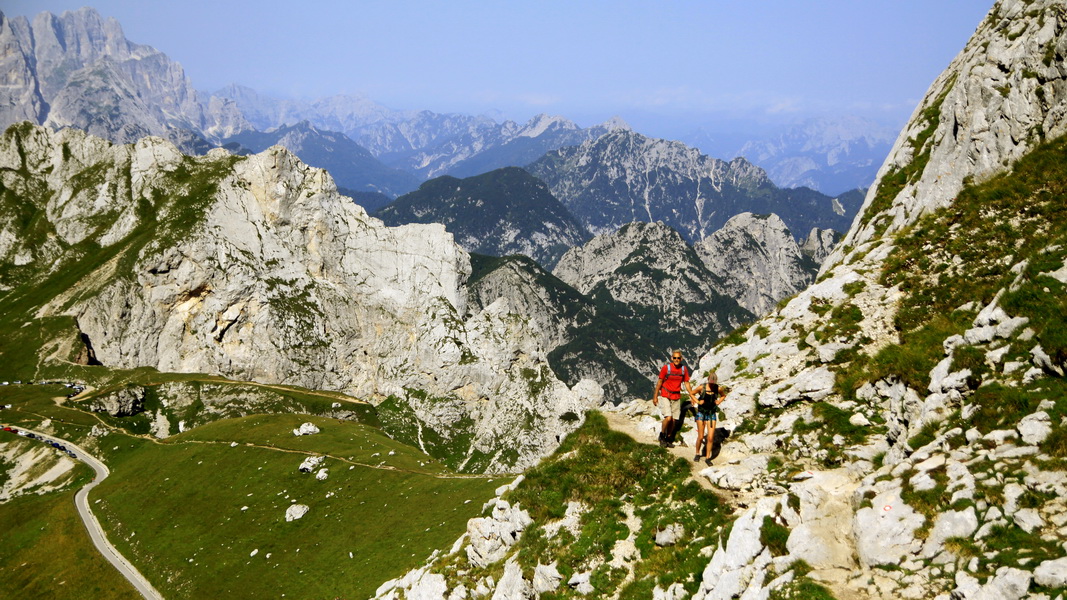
<point>296,511</point>
<point>1052,573</point>
<point>311,463</point>
<point>1033,429</point>
<point>306,429</point>
<point>546,578</point>
<point>670,535</point>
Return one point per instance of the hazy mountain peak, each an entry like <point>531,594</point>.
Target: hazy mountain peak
<point>616,122</point>
<point>542,123</point>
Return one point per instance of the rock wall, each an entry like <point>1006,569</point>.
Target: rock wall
<point>257,269</point>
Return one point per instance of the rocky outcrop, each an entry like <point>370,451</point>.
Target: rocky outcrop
<point>121,403</point>
<point>257,269</point>
<point>819,244</point>
<point>648,273</point>
<point>758,261</point>
<point>1003,94</point>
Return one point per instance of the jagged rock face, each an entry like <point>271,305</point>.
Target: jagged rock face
<point>622,177</point>
<point>78,70</point>
<point>650,275</point>
<point>256,269</point>
<point>819,244</point>
<point>351,165</point>
<point>571,324</point>
<point>998,98</point>
<point>758,260</point>
<point>507,211</point>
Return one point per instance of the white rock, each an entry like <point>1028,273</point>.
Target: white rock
<point>1034,428</point>
<point>546,578</point>
<point>490,537</point>
<point>1052,573</point>
<point>511,585</point>
<point>885,531</point>
<point>1028,519</point>
<point>296,511</point>
<point>306,429</point>
<point>580,582</point>
<point>822,535</point>
<point>670,535</point>
<point>322,474</point>
<point>859,420</point>
<point>950,524</point>
<point>311,463</point>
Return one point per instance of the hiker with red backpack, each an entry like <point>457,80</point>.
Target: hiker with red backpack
<point>669,391</point>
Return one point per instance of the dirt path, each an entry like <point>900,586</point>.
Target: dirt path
<point>628,425</point>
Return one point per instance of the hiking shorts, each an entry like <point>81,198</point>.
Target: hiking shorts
<point>669,408</point>
<point>710,414</point>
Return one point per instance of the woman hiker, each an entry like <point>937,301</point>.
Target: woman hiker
<point>708,397</point>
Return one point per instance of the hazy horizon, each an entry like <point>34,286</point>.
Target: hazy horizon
<point>664,68</point>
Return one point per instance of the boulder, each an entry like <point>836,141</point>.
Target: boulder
<point>1034,428</point>
<point>296,511</point>
<point>1028,519</point>
<point>546,578</point>
<point>311,463</point>
<point>511,585</point>
<point>885,531</point>
<point>951,524</point>
<point>491,537</point>
<point>306,429</point>
<point>1052,573</point>
<point>670,535</point>
<point>581,582</point>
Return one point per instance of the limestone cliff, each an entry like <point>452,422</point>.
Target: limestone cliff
<point>758,259</point>
<point>257,269</point>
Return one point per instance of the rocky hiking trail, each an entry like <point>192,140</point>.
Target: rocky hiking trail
<point>639,430</point>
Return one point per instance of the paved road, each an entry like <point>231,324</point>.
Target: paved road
<point>93,525</point>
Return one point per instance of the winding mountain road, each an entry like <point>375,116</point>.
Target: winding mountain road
<point>96,532</point>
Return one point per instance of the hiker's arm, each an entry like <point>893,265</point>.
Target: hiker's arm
<point>655,394</point>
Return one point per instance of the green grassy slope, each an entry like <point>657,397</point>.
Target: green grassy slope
<point>46,552</point>
<point>169,501</point>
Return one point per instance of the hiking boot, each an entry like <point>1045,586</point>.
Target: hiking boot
<point>707,461</point>
<point>696,458</point>
<point>669,445</point>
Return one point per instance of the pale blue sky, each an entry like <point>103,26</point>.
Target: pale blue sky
<point>680,64</point>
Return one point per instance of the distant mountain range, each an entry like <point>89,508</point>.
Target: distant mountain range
<point>506,211</point>
<point>623,176</point>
